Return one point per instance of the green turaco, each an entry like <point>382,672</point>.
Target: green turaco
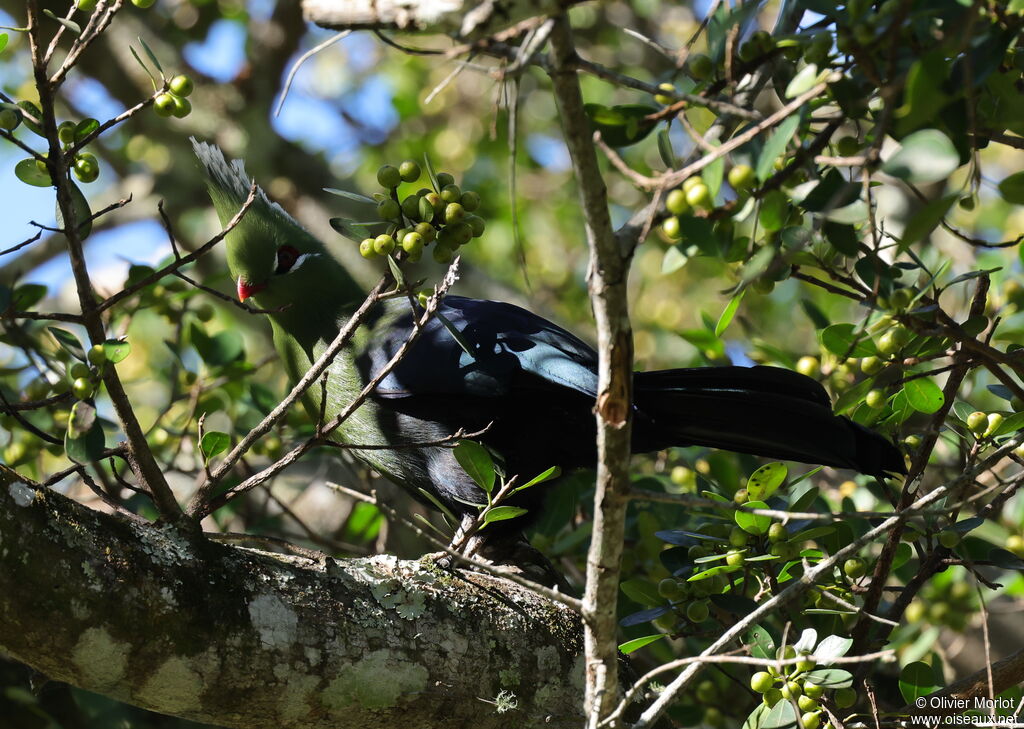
<point>530,383</point>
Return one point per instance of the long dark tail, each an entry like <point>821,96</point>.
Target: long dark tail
<point>763,411</point>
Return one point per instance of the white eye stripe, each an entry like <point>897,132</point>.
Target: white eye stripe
<point>300,260</point>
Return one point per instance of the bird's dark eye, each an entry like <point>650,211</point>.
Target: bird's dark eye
<point>286,258</point>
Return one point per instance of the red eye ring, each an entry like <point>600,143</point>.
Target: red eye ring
<point>286,258</point>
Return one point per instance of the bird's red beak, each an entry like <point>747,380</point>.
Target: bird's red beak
<point>246,289</point>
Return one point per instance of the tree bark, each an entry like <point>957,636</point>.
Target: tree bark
<point>182,625</point>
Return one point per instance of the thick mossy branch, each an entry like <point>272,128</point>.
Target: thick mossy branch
<point>181,625</point>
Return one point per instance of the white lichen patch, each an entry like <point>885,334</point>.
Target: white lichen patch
<point>389,594</point>
<point>379,680</point>
<point>174,687</point>
<point>21,493</point>
<point>99,659</point>
<point>275,621</point>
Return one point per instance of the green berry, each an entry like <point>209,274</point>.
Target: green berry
<point>383,244</point>
<point>706,692</point>
<point>366,249</point>
<point>699,196</point>
<point>901,298</point>
<point>412,243</point>
<point>1015,544</point>
<point>427,231</point>
<point>875,399</point>
<point>15,453</point>
<point>845,697</point>
<point>97,354</point>
<point>697,611</point>
<point>451,193</point>
<point>813,690</point>
<point>79,369</point>
<point>389,177</point>
<point>671,228</point>
<point>811,720</point>
<point>444,179</point>
<point>792,690</point>
<point>409,171</point>
<point>771,697</point>
<point>691,182</point>
<point>82,388</point>
<point>741,497</point>
<point>9,119</point>
<point>182,107</point>
<point>461,233</point>
<point>426,208</point>
<point>806,664</point>
<point>87,6</point>
<point>66,132</point>
<point>808,366</point>
<point>977,422</point>
<point>855,568</point>
<point>734,558</point>
<point>806,703</point>
<point>871,365</point>
<point>163,105</point>
<point>411,207</point>
<point>86,167</point>
<point>443,254</point>
<point>470,200</point>
<point>668,97</point>
<point>388,209</point>
<point>995,421</point>
<point>668,588</point>
<point>741,177</point>
<point>181,85</point>
<point>761,681</point>
<point>436,202</point>
<point>143,3</point>
<point>699,550</point>
<point>777,532</point>
<point>476,224</point>
<point>847,146</point>
<point>676,203</point>
<point>738,538</point>
<point>893,340</point>
<point>454,212</point>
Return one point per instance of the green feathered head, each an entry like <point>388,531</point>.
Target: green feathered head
<point>269,254</point>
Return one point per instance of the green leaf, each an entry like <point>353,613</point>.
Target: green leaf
<point>350,195</point>
<point>713,175</point>
<point>547,475</point>
<point>665,149</point>
<point>637,643</point>
<point>143,65</point>
<point>766,480</point>
<point>345,227</point>
<point>924,156</point>
<point>753,721</point>
<point>918,679</point>
<point>28,295</point>
<point>3,41</point>
<point>1011,425</point>
<point>780,716</point>
<point>844,340</point>
<point>85,127</point>
<point>116,350</point>
<point>152,56</point>
<point>396,272</point>
<point>641,592</point>
<point>33,111</point>
<point>28,172</point>
<point>830,648</point>
<point>218,350</point>
<point>477,462</point>
<point>755,524</point>
<point>213,443</point>
<point>728,313</point>
<point>776,146</point>
<point>621,125</point>
<point>84,441</point>
<point>830,678</point>
<point>502,513</point>
<point>923,395</point>
<point>1006,559</point>
<point>761,643</point>
<point>842,237</point>
<point>925,220</point>
<point>69,24</point>
<point>773,212</point>
<point>68,341</point>
<point>803,81</point>
<point>83,214</point>
<point>1012,188</point>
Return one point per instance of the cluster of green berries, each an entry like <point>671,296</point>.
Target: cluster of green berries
<point>83,377</point>
<point>950,604</point>
<point>442,215</point>
<point>173,101</point>
<point>741,544</point>
<point>694,195</point>
<point>792,684</point>
<point>84,166</point>
<point>984,425</point>
<point>87,6</point>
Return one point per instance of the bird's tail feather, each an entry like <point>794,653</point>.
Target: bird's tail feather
<point>763,411</point>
